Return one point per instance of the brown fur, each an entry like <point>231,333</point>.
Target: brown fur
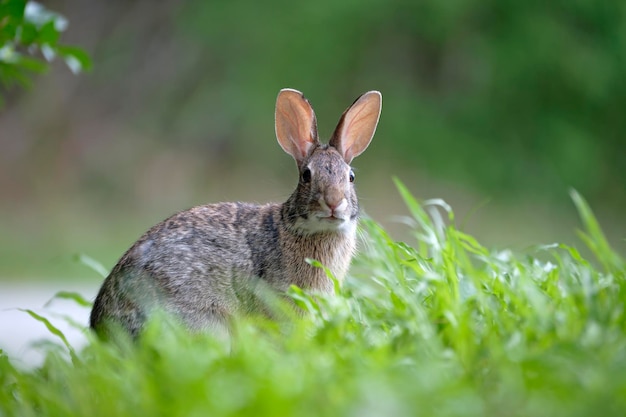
<point>211,262</point>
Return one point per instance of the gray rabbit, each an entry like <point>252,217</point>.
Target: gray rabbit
<point>208,264</point>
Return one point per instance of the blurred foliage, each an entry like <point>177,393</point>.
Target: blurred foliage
<point>509,96</point>
<point>481,98</point>
<point>28,29</point>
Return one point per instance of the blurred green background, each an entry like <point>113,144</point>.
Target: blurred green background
<point>496,106</point>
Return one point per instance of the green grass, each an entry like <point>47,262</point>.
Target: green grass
<point>438,327</point>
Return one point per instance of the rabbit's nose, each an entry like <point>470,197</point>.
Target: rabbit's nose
<point>333,198</point>
<point>336,204</point>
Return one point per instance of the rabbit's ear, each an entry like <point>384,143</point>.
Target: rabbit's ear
<point>296,127</point>
<point>357,125</point>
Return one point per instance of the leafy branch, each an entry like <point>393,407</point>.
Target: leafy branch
<point>29,40</point>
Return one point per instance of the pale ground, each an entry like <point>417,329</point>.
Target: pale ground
<point>19,331</point>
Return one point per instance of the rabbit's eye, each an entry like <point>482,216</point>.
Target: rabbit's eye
<point>351,176</point>
<point>306,175</point>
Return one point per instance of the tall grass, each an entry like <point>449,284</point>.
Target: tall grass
<point>441,326</point>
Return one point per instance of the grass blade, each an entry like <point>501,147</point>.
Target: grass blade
<point>594,237</point>
<point>69,295</point>
<point>53,330</point>
<point>92,264</point>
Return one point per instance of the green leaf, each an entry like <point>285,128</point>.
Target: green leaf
<point>48,34</point>
<point>76,59</point>
<point>92,264</point>
<point>53,330</point>
<point>39,15</point>
<point>12,74</point>
<point>13,9</point>
<point>594,238</point>
<point>28,33</point>
<point>414,207</point>
<point>68,295</point>
<point>328,272</point>
<point>31,64</point>
<point>303,300</point>
<point>470,244</point>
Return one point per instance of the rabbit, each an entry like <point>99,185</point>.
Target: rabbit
<point>206,265</point>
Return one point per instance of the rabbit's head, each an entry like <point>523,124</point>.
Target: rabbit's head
<point>325,199</point>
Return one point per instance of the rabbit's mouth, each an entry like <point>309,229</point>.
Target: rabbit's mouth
<point>332,219</point>
<point>331,215</point>
<point>323,222</point>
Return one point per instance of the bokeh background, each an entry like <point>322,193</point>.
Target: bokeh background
<point>498,107</point>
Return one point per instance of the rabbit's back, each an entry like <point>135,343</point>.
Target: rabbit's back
<point>202,264</point>
<point>200,241</point>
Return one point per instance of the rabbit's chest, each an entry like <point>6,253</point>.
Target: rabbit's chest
<point>333,252</point>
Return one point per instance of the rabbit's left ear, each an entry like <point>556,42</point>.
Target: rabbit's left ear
<point>357,125</point>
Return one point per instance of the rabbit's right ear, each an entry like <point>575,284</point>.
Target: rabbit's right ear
<point>296,127</point>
